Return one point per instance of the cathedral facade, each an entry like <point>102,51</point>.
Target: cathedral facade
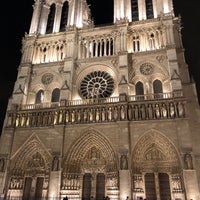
<point>102,111</point>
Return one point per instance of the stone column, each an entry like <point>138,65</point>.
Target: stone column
<point>93,185</point>
<point>157,186</point>
<point>35,17</point>
<point>54,184</point>
<point>56,26</point>
<point>141,10</point>
<point>116,10</point>
<point>71,14</point>
<point>124,184</point>
<point>191,184</point>
<point>155,12</point>
<point>33,188</point>
<point>43,19</point>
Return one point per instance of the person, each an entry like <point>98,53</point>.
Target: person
<point>65,198</point>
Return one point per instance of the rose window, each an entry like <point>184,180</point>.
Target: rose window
<point>97,84</point>
<point>146,69</point>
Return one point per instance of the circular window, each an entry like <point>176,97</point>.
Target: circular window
<point>97,84</point>
<point>47,78</point>
<point>146,68</point>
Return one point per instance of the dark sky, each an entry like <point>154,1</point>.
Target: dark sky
<point>16,18</point>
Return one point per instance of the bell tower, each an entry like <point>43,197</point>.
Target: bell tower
<point>52,15</point>
<point>102,111</point>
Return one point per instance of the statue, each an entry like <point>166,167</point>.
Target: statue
<point>55,164</point>
<point>123,162</point>
<point>122,112</point>
<point>180,110</point>
<point>188,161</point>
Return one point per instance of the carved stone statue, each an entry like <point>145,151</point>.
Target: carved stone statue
<point>188,161</point>
<point>180,110</point>
<point>122,113</point>
<point>172,110</point>
<point>123,162</point>
<point>55,166</point>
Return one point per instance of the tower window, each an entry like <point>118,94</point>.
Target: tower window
<point>64,16</point>
<point>149,9</point>
<point>39,97</point>
<point>134,8</point>
<point>55,95</point>
<point>157,88</point>
<point>139,88</point>
<point>50,21</point>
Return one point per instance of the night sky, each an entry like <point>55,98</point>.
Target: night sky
<point>16,18</point>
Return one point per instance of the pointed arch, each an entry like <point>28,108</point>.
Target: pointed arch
<point>32,148</point>
<point>149,9</point>
<point>39,97</point>
<point>134,9</point>
<point>139,88</point>
<point>157,86</point>
<point>154,150</point>
<point>55,97</point>
<point>64,16</point>
<point>89,140</point>
<point>51,17</point>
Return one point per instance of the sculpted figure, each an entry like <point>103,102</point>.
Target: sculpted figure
<point>188,161</point>
<point>124,162</point>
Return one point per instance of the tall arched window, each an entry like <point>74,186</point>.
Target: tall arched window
<point>157,89</point>
<point>64,16</point>
<point>149,9</point>
<point>50,21</point>
<point>134,9</point>
<point>139,90</point>
<point>39,97</point>
<point>55,95</point>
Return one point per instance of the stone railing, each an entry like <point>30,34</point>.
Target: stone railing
<point>122,108</point>
<point>121,98</point>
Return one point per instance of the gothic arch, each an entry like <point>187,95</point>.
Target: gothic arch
<point>46,82</point>
<point>80,148</point>
<point>42,81</point>
<point>33,146</point>
<point>158,68</point>
<point>154,151</point>
<point>146,75</point>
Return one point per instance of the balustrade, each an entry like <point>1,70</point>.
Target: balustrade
<point>68,113</point>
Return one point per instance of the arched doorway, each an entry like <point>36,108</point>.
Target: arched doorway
<point>30,168</point>
<point>93,163</point>
<point>156,168</point>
